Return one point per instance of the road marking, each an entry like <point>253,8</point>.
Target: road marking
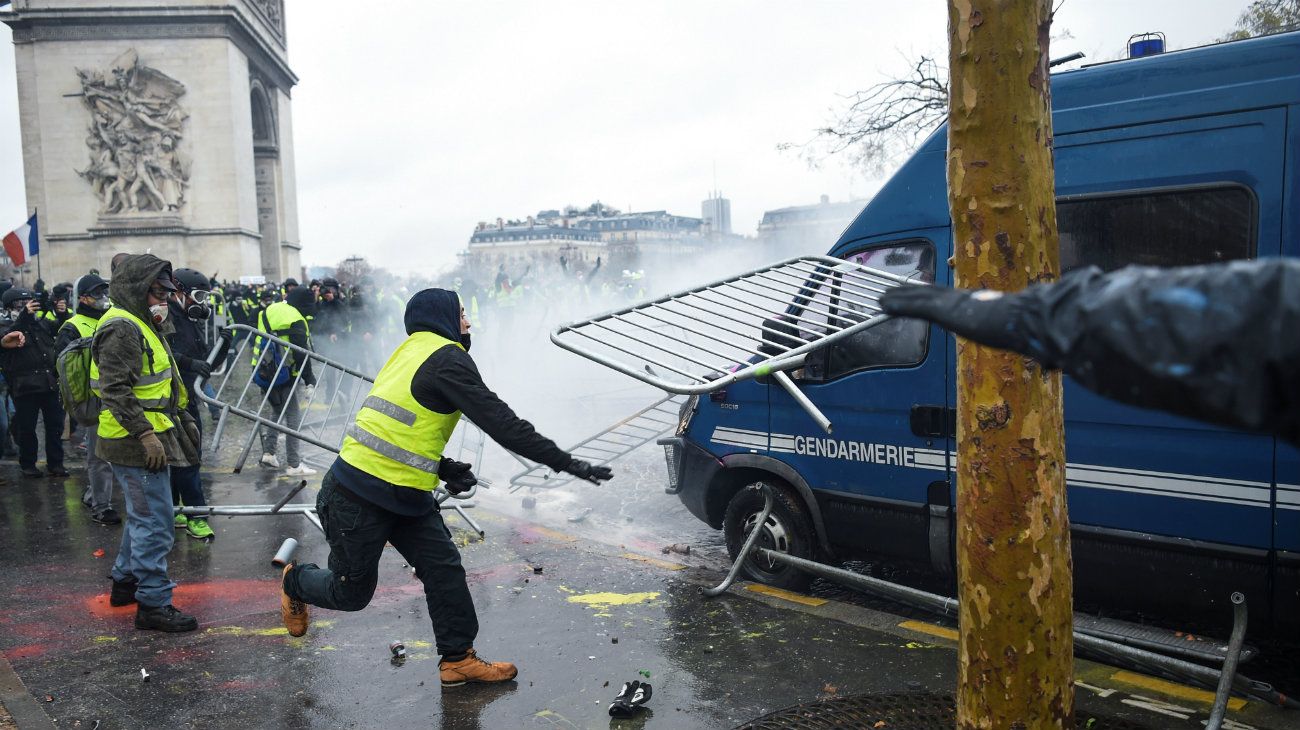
<point>666,565</point>
<point>942,632</point>
<point>786,595</point>
<point>1173,689</point>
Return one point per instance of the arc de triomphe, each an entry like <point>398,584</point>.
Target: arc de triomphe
<point>158,125</point>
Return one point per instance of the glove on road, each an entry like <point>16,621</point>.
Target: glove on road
<point>584,470</point>
<point>456,475</point>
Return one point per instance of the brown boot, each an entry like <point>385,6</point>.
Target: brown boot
<point>293,613</point>
<point>474,669</point>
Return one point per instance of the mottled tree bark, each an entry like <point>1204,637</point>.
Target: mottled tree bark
<point>1013,538</point>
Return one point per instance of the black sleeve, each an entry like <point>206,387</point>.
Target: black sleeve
<point>1218,343</point>
<point>68,334</point>
<point>449,381</point>
<point>298,336</point>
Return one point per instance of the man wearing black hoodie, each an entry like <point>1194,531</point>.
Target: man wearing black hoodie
<point>380,488</point>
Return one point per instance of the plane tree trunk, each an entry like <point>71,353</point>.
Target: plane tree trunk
<point>1013,538</point>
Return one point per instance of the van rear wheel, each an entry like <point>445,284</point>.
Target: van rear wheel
<point>787,529</point>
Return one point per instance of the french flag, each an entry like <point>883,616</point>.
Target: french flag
<point>23,242</point>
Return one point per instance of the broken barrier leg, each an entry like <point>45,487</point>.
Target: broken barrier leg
<point>1100,638</point>
<point>319,423</point>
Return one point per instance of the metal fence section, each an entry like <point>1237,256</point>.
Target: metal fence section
<point>759,323</point>
<point>614,442</point>
<point>317,417</point>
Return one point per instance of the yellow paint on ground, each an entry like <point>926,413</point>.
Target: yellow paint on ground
<point>242,631</point>
<point>419,644</point>
<point>1173,689</point>
<point>553,534</point>
<point>604,601</point>
<point>653,561</point>
<point>104,639</point>
<point>786,595</point>
<point>942,632</point>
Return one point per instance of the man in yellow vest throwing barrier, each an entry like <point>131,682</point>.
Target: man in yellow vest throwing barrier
<point>142,429</point>
<point>380,488</point>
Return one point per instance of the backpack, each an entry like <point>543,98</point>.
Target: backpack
<point>79,401</point>
<point>269,366</point>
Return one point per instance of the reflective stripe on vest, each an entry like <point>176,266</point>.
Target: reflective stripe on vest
<point>153,388</point>
<point>394,438</point>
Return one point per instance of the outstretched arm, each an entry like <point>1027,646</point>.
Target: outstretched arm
<point>1220,343</point>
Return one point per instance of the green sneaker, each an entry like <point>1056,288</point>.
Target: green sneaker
<point>199,530</point>
<point>181,522</point>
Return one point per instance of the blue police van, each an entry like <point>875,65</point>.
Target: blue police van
<point>1182,158</point>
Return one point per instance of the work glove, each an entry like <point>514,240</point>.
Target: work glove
<point>456,475</point>
<point>201,368</point>
<point>984,316</point>
<point>308,391</point>
<point>584,470</point>
<point>155,456</point>
<point>630,699</point>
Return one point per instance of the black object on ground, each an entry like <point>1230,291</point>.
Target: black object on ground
<point>630,699</point>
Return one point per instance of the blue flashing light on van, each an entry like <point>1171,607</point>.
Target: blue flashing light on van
<point>1171,159</point>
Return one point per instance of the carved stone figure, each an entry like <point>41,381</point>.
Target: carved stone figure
<point>136,125</point>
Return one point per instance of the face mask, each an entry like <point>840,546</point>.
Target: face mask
<point>100,303</point>
<point>158,312</point>
<point>198,311</point>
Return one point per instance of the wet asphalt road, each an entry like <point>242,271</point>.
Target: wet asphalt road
<point>712,663</point>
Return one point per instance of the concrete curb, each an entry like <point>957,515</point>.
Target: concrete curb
<point>25,710</point>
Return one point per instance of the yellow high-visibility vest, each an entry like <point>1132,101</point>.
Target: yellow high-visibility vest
<point>153,388</point>
<point>394,438</point>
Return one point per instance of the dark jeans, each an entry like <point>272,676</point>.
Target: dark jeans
<point>26,410</point>
<point>356,532</point>
<point>187,487</point>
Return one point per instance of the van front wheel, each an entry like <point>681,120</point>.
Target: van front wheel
<point>787,530</point>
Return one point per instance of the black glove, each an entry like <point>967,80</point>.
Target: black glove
<point>584,470</point>
<point>201,368</point>
<point>456,475</point>
<point>630,699</point>
<point>985,316</point>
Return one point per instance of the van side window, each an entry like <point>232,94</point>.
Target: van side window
<point>897,342</point>
<point>1158,228</point>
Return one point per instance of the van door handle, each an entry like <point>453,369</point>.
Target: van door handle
<point>934,421</point>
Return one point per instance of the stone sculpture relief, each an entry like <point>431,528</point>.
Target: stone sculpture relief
<point>273,10</point>
<point>136,128</point>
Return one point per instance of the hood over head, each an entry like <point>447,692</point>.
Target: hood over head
<point>132,278</point>
<point>302,299</point>
<point>436,311</point>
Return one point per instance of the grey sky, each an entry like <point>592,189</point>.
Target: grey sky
<point>413,120</point>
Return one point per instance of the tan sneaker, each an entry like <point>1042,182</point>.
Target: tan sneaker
<point>293,613</point>
<point>475,669</point>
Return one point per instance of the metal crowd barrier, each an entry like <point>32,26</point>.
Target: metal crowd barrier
<point>319,423</point>
<point>759,323</point>
<point>614,442</point>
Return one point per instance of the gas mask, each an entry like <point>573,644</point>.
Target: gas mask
<point>199,309</point>
<point>158,312</point>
